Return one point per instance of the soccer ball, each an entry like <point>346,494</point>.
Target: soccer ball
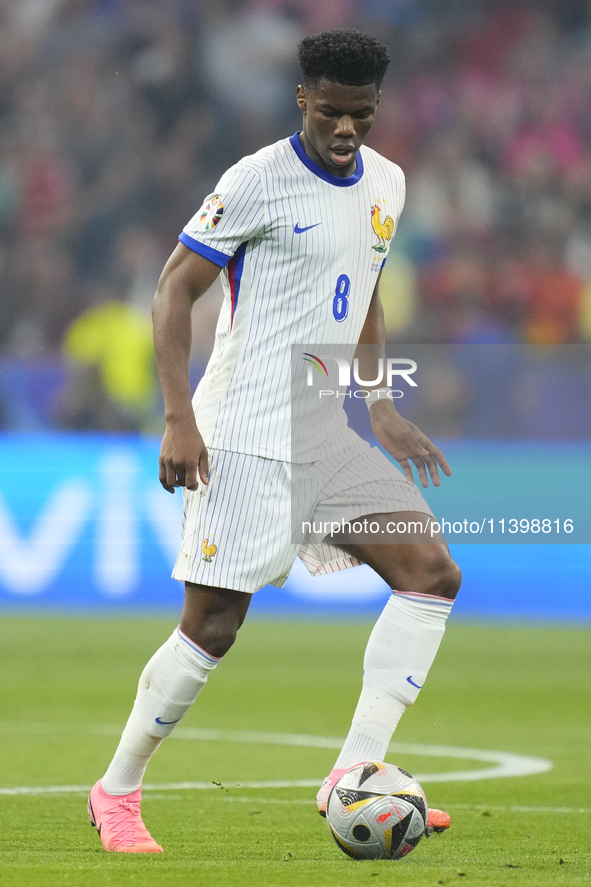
<point>377,811</point>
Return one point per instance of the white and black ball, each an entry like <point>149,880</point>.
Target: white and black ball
<point>377,811</point>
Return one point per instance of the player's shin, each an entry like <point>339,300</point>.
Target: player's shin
<point>399,654</point>
<point>169,685</point>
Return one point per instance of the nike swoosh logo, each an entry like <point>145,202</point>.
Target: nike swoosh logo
<point>166,723</point>
<point>298,230</point>
<point>410,681</point>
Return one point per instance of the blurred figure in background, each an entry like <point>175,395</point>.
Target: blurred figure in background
<point>112,384</point>
<point>109,347</point>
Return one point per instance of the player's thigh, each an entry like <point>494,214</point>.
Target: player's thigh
<point>386,523</point>
<point>366,501</point>
<point>419,560</point>
<point>387,528</point>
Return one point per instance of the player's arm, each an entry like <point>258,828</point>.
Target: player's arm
<point>397,435</point>
<point>186,277</point>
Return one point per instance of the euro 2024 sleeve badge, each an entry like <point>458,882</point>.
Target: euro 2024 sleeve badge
<point>212,211</point>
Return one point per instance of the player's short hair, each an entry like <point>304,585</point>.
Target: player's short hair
<point>343,56</point>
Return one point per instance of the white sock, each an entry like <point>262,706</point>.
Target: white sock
<point>168,687</point>
<point>399,654</point>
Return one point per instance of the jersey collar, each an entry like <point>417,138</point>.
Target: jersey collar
<point>339,181</point>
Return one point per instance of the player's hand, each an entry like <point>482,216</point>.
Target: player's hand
<point>183,457</point>
<point>407,444</point>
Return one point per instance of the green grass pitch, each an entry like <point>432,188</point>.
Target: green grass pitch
<point>68,684</point>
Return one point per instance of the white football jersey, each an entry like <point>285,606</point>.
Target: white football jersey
<point>301,251</point>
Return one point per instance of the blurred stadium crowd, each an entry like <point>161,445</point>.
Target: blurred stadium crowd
<point>118,116</point>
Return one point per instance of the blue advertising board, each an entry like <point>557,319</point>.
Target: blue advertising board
<point>85,525</point>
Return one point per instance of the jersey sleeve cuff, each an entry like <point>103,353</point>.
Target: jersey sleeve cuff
<point>208,252</point>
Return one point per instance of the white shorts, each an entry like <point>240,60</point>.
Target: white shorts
<point>238,532</point>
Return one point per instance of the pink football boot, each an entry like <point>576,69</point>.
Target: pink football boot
<point>118,821</point>
<point>437,821</point>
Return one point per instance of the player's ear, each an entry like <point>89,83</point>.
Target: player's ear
<point>301,99</point>
<point>378,97</point>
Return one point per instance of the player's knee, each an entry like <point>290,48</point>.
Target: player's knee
<point>218,641</point>
<point>215,636</point>
<point>452,580</point>
<point>438,573</point>
<point>444,577</point>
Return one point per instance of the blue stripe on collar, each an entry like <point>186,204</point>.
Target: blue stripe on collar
<point>340,181</point>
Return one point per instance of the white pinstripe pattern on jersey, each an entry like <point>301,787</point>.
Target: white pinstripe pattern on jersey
<point>248,511</point>
<point>243,403</point>
<point>287,287</point>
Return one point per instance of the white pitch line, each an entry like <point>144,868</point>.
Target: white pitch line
<point>163,786</point>
<point>154,790</point>
<point>507,763</point>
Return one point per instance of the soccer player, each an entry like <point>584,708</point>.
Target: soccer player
<point>296,232</point>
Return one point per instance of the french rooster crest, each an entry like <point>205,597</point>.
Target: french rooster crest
<point>383,230</point>
<point>208,550</point>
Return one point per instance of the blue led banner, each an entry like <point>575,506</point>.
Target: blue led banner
<point>84,524</point>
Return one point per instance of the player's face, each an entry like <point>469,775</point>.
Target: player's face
<point>337,119</point>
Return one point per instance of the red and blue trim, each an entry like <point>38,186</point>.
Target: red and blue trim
<point>425,598</point>
<point>235,269</point>
<point>208,252</point>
